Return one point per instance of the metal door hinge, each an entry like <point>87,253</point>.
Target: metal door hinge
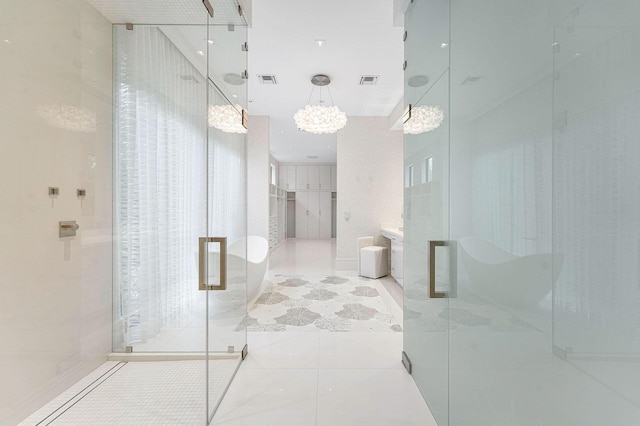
<point>245,351</point>
<point>404,37</point>
<point>245,74</point>
<point>406,362</point>
<point>240,11</point>
<point>404,66</point>
<point>245,47</point>
<point>208,6</point>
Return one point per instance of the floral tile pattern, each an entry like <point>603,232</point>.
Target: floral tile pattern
<point>294,282</point>
<point>271,298</point>
<point>467,310</point>
<point>365,291</point>
<point>298,317</point>
<point>320,294</point>
<point>321,303</point>
<point>357,311</point>
<point>334,280</point>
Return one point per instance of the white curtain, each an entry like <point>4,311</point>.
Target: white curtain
<point>160,182</point>
<point>511,171</point>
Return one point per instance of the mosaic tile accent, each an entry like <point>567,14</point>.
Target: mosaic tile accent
<point>320,294</point>
<point>334,280</point>
<point>298,317</point>
<point>293,282</point>
<point>357,311</point>
<point>271,298</point>
<point>365,291</point>
<point>321,303</point>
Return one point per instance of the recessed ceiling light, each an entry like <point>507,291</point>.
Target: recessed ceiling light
<point>235,96</point>
<point>200,52</point>
<point>444,45</point>
<point>210,41</point>
<point>281,131</point>
<point>577,55</point>
<point>7,41</point>
<point>320,42</point>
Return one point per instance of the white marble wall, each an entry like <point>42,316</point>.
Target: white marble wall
<point>258,176</point>
<point>369,183</point>
<point>55,130</point>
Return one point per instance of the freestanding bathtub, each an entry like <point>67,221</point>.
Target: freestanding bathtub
<point>521,281</point>
<point>257,255</point>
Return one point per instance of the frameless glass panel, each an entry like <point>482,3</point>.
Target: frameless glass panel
<point>426,211</point>
<point>533,143</point>
<point>159,192</point>
<point>228,61</point>
<point>596,203</point>
<point>226,262</point>
<point>502,368</point>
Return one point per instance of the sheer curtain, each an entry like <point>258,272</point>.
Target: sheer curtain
<point>511,171</point>
<point>160,185</point>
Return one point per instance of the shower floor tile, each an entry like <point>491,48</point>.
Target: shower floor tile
<point>141,393</point>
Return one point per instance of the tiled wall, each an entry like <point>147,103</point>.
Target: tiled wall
<point>55,131</point>
<point>369,183</point>
<point>258,176</point>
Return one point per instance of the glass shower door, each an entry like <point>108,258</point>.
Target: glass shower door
<point>224,251</point>
<point>427,282</point>
<point>180,202</point>
<point>226,240</point>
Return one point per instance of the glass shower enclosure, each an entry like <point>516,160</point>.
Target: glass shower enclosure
<point>180,280</point>
<point>521,211</point>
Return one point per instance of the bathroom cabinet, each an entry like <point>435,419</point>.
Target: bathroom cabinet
<point>287,177</point>
<point>396,236</point>
<point>313,214</point>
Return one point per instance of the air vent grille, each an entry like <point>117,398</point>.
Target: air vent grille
<point>267,79</point>
<point>312,157</point>
<point>368,80</point>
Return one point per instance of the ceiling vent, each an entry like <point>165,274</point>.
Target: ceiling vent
<point>471,80</point>
<point>267,79</point>
<point>312,157</point>
<point>368,80</point>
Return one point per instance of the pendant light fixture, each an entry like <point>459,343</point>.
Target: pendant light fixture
<point>422,118</point>
<point>320,119</point>
<point>227,117</point>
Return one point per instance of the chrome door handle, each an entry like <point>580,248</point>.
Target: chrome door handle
<point>202,255</point>
<point>433,294</point>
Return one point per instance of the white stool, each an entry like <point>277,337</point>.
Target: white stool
<point>374,262</point>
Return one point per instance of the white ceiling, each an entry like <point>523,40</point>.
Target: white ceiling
<point>360,40</point>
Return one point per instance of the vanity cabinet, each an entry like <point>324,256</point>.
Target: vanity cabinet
<point>396,236</point>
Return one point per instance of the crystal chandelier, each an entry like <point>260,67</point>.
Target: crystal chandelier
<point>320,119</point>
<point>424,118</point>
<point>226,118</point>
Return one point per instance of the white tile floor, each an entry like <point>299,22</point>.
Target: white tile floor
<point>301,378</point>
<point>322,378</point>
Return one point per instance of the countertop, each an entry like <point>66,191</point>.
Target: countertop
<point>392,233</point>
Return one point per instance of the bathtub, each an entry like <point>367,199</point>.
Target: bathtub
<point>521,281</point>
<point>257,255</point>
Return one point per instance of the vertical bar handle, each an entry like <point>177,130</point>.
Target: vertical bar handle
<point>202,256</point>
<point>433,294</point>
